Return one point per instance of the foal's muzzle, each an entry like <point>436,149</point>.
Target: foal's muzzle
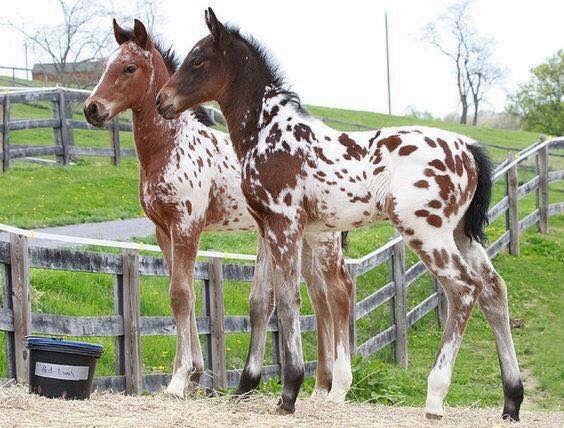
<point>165,105</point>
<point>96,114</point>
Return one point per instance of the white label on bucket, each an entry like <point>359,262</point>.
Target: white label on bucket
<point>58,371</point>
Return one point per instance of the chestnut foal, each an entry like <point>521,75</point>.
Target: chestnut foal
<point>190,182</point>
<point>301,176</point>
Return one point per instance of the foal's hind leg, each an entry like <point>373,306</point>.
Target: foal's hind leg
<point>329,289</point>
<point>462,287</point>
<point>340,290</point>
<point>437,249</point>
<point>318,294</point>
<point>493,302</point>
<point>329,262</point>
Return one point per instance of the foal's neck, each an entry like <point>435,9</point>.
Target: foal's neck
<point>154,136</point>
<point>241,104</point>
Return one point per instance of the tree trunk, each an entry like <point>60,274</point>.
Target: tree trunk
<point>475,118</point>
<point>464,114</point>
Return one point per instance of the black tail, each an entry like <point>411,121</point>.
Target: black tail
<point>476,217</point>
<point>344,241</point>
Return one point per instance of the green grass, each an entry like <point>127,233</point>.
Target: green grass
<point>93,190</point>
<point>17,82</point>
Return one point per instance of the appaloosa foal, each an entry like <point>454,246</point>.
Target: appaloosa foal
<point>300,176</point>
<point>189,182</point>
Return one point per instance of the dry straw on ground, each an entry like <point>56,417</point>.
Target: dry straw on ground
<point>18,408</point>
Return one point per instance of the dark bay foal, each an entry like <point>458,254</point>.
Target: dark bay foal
<point>300,176</point>
<point>190,182</point>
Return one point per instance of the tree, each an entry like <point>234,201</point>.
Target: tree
<point>481,71</point>
<point>538,103</point>
<point>453,34</point>
<point>148,11</point>
<point>80,35</point>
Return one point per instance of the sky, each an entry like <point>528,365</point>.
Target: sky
<point>333,52</point>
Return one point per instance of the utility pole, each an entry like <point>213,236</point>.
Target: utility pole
<point>26,61</point>
<point>388,64</point>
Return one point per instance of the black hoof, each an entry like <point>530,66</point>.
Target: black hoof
<point>433,416</point>
<point>285,407</point>
<point>510,416</point>
<point>513,399</point>
<point>247,383</point>
<point>238,397</point>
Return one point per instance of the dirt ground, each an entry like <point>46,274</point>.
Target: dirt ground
<point>18,408</point>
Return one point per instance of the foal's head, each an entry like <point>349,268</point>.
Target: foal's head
<point>211,66</point>
<point>130,73</point>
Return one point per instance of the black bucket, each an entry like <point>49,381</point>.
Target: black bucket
<point>61,368</point>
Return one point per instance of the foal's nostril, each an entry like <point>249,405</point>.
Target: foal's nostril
<point>159,100</point>
<point>93,108</point>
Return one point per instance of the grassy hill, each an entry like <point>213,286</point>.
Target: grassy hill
<point>93,190</point>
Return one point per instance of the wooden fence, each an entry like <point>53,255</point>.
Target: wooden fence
<point>63,125</point>
<point>128,325</point>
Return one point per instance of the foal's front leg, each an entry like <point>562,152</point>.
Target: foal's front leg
<point>182,299</point>
<point>285,248</point>
<point>261,305</point>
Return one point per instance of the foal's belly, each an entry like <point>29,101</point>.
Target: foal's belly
<point>238,220</point>
<point>346,205</point>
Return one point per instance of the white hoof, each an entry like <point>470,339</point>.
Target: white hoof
<point>337,396</point>
<point>434,408</point>
<point>319,393</point>
<point>176,387</point>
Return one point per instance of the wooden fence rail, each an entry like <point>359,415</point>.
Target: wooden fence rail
<point>63,125</point>
<point>128,326</point>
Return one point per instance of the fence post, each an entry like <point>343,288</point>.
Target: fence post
<point>217,323</point>
<point>66,127</point>
<point>442,303</point>
<point>21,303</point>
<point>6,133</point>
<point>118,309</point>
<point>114,141</point>
<point>206,301</point>
<point>543,189</point>
<point>512,187</point>
<point>58,130</point>
<point>352,312</point>
<point>400,304</point>
<point>8,335</point>
<point>132,322</point>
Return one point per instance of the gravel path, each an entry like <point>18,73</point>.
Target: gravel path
<point>116,230</point>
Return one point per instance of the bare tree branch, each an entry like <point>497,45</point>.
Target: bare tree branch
<point>81,34</point>
<point>453,35</point>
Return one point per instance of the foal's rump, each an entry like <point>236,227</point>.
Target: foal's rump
<point>434,177</point>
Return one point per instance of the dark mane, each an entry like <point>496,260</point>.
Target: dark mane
<point>169,57</point>
<point>171,61</point>
<point>270,67</point>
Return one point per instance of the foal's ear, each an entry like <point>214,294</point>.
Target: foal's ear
<point>120,34</point>
<point>140,33</point>
<point>219,33</point>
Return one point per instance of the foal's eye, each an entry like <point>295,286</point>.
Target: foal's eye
<point>197,62</point>
<point>130,69</point>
